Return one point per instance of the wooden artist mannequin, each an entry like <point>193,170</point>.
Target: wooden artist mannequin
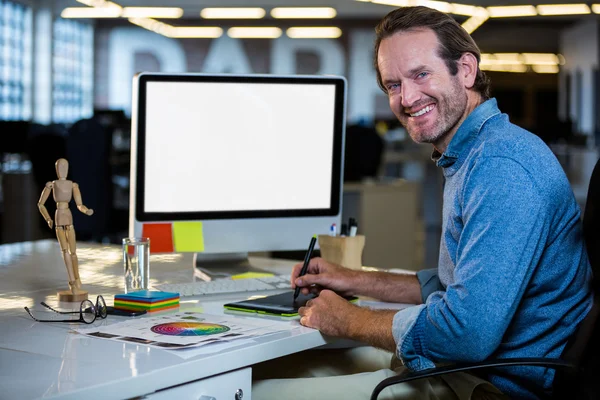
<point>63,190</point>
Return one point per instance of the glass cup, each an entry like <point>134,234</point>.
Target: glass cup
<point>136,261</point>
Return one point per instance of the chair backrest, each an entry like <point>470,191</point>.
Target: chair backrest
<point>583,349</point>
<point>88,151</point>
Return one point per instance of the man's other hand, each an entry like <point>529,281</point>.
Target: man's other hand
<point>329,313</point>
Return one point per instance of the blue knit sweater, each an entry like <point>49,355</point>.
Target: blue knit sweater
<point>513,271</point>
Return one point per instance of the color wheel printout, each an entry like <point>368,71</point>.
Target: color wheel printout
<point>186,329</point>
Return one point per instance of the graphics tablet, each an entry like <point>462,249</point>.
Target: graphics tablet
<point>279,304</point>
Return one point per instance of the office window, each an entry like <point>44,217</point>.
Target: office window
<point>15,61</point>
<point>72,71</point>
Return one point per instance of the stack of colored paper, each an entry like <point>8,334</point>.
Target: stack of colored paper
<point>147,300</point>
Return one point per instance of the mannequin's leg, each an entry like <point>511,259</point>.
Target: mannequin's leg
<point>61,235</point>
<point>70,231</point>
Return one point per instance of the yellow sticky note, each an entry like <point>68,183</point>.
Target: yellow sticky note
<point>188,236</point>
<point>247,275</point>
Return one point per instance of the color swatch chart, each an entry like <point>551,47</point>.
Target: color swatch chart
<point>186,329</point>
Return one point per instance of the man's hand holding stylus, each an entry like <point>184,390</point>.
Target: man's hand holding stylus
<point>325,275</point>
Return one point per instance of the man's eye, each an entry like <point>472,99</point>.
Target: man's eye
<point>422,75</point>
<point>393,86</point>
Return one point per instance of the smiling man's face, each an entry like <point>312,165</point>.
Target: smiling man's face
<point>427,100</point>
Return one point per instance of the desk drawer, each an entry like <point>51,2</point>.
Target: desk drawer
<point>220,387</point>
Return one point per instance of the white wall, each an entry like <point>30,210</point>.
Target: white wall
<point>579,45</point>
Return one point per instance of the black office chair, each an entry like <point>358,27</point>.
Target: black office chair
<point>577,369</point>
<point>88,151</point>
<point>363,153</point>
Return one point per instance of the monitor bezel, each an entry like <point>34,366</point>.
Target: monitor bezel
<point>338,136</point>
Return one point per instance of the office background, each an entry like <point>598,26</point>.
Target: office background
<point>65,90</point>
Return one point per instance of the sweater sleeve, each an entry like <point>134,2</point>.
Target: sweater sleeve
<point>500,238</point>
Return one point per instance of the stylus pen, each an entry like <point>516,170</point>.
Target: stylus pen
<point>311,247</point>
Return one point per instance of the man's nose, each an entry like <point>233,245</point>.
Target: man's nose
<point>409,95</point>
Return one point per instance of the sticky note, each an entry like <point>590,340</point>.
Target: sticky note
<point>161,237</point>
<point>188,236</point>
<point>248,275</point>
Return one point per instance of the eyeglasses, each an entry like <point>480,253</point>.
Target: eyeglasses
<point>88,312</point>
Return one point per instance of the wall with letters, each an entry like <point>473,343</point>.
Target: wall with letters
<point>123,49</point>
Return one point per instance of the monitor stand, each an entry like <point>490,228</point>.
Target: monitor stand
<point>208,267</point>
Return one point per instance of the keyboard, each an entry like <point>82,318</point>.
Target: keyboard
<point>224,286</point>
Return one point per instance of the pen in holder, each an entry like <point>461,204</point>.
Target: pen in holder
<point>343,250</point>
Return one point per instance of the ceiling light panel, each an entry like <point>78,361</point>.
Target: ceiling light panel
<point>152,12</point>
<point>320,32</point>
<point>505,68</point>
<point>546,69</point>
<point>464,9</point>
<point>92,3</point>
<point>196,32</point>
<point>442,6</point>
<point>395,3</point>
<point>303,12</point>
<point>233,13</point>
<point>563,9</point>
<point>91,12</point>
<point>541,58</point>
<point>473,23</point>
<point>266,32</point>
<point>511,11</point>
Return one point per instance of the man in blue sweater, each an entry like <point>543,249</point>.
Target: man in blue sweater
<point>513,274</point>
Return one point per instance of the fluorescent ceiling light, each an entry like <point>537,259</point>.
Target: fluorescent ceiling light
<point>563,9</point>
<point>492,61</point>
<point>152,12</point>
<point>177,31</point>
<point>152,25</point>
<point>233,13</point>
<point>396,3</point>
<point>474,22</point>
<point>266,32</point>
<point>596,8</point>
<point>195,32</point>
<point>92,3</point>
<point>505,68</point>
<point>464,9</point>
<point>546,69</point>
<point>511,11</point>
<point>91,12</point>
<point>303,12</point>
<point>508,57</point>
<point>541,58</point>
<point>442,6</point>
<point>321,32</point>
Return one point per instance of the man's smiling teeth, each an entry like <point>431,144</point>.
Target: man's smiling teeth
<point>422,111</point>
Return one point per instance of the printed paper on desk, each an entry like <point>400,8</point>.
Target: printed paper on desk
<point>186,329</point>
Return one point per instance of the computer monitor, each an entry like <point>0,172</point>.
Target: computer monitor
<point>224,164</point>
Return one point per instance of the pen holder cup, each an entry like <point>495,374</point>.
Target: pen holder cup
<point>343,250</point>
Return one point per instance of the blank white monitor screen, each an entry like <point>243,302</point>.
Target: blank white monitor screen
<point>249,146</point>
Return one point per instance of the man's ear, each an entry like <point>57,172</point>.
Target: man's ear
<point>467,69</point>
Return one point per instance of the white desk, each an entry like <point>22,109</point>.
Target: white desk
<point>47,360</point>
